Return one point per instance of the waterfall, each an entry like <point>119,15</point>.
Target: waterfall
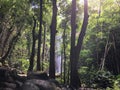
<point>58,54</point>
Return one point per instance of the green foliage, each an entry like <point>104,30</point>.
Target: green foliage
<point>46,65</point>
<point>103,79</point>
<point>19,13</point>
<point>86,75</point>
<point>19,55</point>
<point>117,83</point>
<point>24,63</point>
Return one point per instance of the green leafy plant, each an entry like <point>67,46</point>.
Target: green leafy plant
<point>103,79</point>
<point>117,83</point>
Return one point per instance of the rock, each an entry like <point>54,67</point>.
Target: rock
<point>15,76</point>
<point>35,84</point>
<point>55,82</point>
<point>6,89</point>
<point>5,75</point>
<point>8,85</point>
<point>28,86</point>
<point>38,75</point>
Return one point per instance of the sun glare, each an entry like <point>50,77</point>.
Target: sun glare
<point>81,1</point>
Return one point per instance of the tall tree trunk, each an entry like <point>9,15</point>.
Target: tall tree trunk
<point>61,74</point>
<point>44,42</point>
<point>52,40</point>
<point>6,41</point>
<point>75,49</point>
<point>64,53</point>
<point>68,74</point>
<point>39,38</point>
<point>11,45</point>
<point>28,43</point>
<point>107,48</point>
<point>116,60</point>
<point>83,29</point>
<point>33,47</point>
<point>73,73</point>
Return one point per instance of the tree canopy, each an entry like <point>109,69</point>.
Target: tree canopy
<point>73,41</point>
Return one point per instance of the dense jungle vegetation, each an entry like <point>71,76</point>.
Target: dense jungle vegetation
<point>75,42</point>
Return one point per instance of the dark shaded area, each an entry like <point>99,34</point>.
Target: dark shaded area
<point>42,76</point>
<point>36,84</point>
<point>10,79</point>
<point>103,80</point>
<point>113,57</point>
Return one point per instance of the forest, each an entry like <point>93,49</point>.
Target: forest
<point>59,44</point>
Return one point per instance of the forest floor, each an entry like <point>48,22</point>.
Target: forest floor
<point>11,80</point>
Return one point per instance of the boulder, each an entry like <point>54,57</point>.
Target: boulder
<point>6,89</point>
<point>5,75</point>
<point>35,84</point>
<point>38,75</point>
<point>55,82</point>
<point>8,85</point>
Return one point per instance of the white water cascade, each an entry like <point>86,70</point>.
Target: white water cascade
<point>58,55</point>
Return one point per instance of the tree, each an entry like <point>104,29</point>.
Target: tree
<point>11,45</point>
<point>31,60</point>
<point>12,14</point>
<point>75,49</point>
<point>52,40</point>
<point>39,39</point>
<point>64,27</point>
<point>64,52</point>
<point>44,44</point>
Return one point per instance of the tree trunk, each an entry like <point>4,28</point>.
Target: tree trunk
<point>11,45</point>
<point>44,42</point>
<point>73,73</point>
<point>39,38</point>
<point>64,53</point>
<point>33,47</point>
<point>83,29</point>
<point>61,74</point>
<point>75,50</point>
<point>107,47</point>
<point>6,41</point>
<point>52,40</point>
